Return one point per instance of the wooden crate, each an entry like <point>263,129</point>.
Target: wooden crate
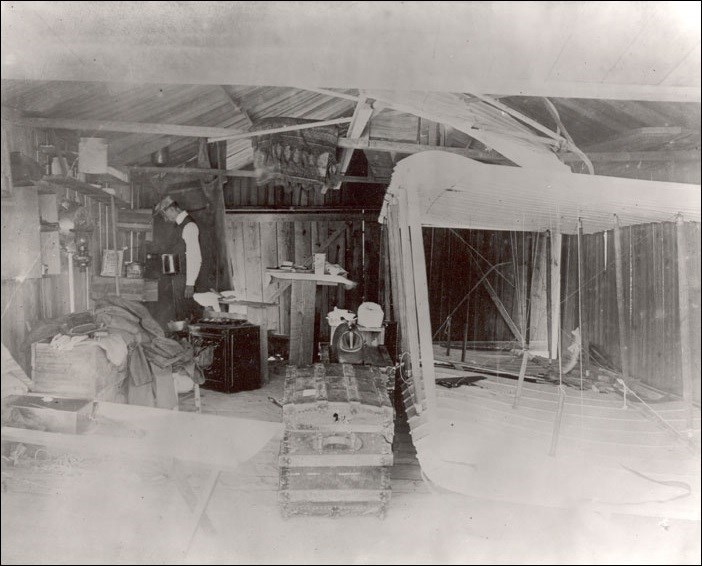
<point>48,413</point>
<point>82,372</point>
<point>335,397</point>
<point>133,289</point>
<point>334,474</point>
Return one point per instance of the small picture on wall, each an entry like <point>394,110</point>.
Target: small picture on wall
<point>112,263</point>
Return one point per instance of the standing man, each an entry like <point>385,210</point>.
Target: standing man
<point>189,257</point>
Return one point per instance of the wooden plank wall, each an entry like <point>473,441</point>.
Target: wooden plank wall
<point>650,292</point>
<point>650,276</point>
<point>259,245</point>
<point>25,301</point>
<point>452,271</point>
<point>243,191</point>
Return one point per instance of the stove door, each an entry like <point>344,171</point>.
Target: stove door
<point>216,375</point>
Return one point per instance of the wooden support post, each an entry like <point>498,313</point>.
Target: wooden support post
<point>618,271</point>
<point>520,381</point>
<point>71,285</point>
<point>406,289</point>
<point>465,333</point>
<point>549,322</point>
<point>684,314</point>
<point>556,251</point>
<point>388,301</point>
<point>198,400</point>
<point>448,336</point>
<point>99,206</point>
<point>263,327</point>
<point>503,311</point>
<point>398,298</point>
<point>584,341</point>
<point>418,262</point>
<point>107,227</point>
<point>216,196</point>
<point>302,322</point>
<point>114,241</point>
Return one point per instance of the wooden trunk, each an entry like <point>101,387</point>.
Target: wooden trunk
<point>336,453</point>
<point>337,396</point>
<point>334,491</point>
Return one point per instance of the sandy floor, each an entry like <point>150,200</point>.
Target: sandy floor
<point>99,512</point>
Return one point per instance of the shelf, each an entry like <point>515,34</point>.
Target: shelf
<point>82,188</point>
<point>311,276</point>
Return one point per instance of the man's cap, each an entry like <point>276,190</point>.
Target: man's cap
<point>163,204</point>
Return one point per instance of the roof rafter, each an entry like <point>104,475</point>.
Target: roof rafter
<point>361,116</point>
<point>213,133</point>
<point>235,104</point>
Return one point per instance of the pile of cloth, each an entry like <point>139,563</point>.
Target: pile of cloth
<point>152,358</point>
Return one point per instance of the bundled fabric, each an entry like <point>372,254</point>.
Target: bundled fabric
<point>151,355</point>
<point>14,380</point>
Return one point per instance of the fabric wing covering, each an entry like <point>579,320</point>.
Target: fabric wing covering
<point>459,192</point>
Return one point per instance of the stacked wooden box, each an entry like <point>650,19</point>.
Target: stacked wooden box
<point>83,371</point>
<point>336,452</point>
<point>145,290</point>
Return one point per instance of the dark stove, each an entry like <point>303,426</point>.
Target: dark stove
<point>236,362</point>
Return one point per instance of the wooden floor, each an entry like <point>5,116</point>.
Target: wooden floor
<point>593,445</point>
<point>406,473</point>
<point>73,510</point>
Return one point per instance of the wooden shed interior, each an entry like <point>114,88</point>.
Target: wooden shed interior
<point>106,113</point>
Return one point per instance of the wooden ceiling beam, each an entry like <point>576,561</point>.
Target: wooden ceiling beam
<point>213,133</point>
<point>334,94</point>
<point>296,127</point>
<point>600,157</point>
<point>201,172</point>
<point>636,156</point>
<point>632,138</point>
<point>191,171</point>
<point>149,128</point>
<point>409,148</point>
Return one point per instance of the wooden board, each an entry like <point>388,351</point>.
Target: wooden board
<point>302,303</point>
<point>20,225</point>
<point>285,235</point>
<point>145,433</point>
<point>51,252</point>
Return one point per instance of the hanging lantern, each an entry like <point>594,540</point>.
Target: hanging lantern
<point>304,158</point>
